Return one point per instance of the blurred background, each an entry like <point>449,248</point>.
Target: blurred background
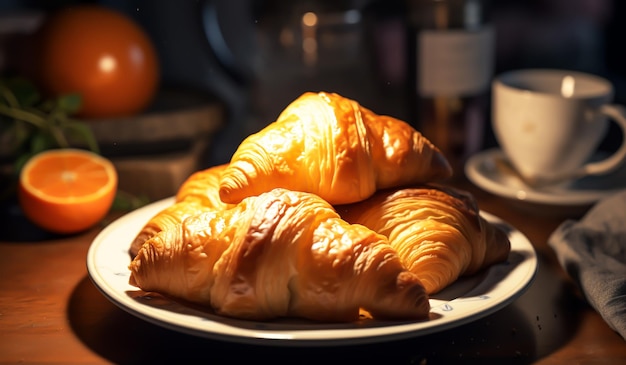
<point>235,64</point>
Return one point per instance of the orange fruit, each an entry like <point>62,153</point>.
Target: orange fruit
<point>67,190</point>
<point>101,54</point>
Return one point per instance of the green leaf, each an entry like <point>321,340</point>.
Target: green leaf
<point>42,141</point>
<point>30,124</point>
<point>125,201</point>
<point>22,115</point>
<point>14,137</point>
<point>23,91</point>
<point>70,103</point>
<point>78,132</point>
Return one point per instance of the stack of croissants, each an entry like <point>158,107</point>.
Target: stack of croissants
<point>330,213</point>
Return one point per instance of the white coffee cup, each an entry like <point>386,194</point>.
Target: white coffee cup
<point>550,123</point>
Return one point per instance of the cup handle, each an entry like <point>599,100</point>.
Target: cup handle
<point>611,163</point>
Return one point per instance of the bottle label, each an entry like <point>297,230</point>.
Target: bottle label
<point>454,62</point>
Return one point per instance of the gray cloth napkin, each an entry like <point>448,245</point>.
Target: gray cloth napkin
<point>593,252</point>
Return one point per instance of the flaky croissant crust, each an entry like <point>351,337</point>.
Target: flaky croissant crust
<point>282,253</point>
<point>196,194</point>
<point>437,231</point>
<point>329,145</point>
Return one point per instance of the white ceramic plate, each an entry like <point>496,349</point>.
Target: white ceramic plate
<point>484,170</point>
<point>465,301</point>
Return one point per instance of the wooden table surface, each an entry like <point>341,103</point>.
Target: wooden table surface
<point>51,312</point>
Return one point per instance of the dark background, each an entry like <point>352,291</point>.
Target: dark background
<point>229,49</point>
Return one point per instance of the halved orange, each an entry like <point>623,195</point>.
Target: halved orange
<point>67,190</point>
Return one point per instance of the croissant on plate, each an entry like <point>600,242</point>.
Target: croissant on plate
<point>280,254</point>
<point>330,145</point>
<point>202,186</point>
<point>437,231</point>
<point>198,192</point>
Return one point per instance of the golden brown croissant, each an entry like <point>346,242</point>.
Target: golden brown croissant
<point>203,186</point>
<point>198,192</point>
<point>329,145</point>
<point>437,231</point>
<point>282,253</point>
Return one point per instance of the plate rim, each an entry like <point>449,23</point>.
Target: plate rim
<point>308,337</point>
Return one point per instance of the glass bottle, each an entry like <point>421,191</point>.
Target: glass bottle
<point>450,66</point>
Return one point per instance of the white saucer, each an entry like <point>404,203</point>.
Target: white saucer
<point>484,170</point>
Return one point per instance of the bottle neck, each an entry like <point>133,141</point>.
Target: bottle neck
<point>448,14</point>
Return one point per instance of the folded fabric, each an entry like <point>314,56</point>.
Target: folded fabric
<point>593,252</point>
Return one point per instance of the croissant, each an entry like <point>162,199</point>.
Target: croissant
<point>437,231</point>
<point>280,254</point>
<point>202,186</point>
<point>198,192</point>
<point>329,145</point>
